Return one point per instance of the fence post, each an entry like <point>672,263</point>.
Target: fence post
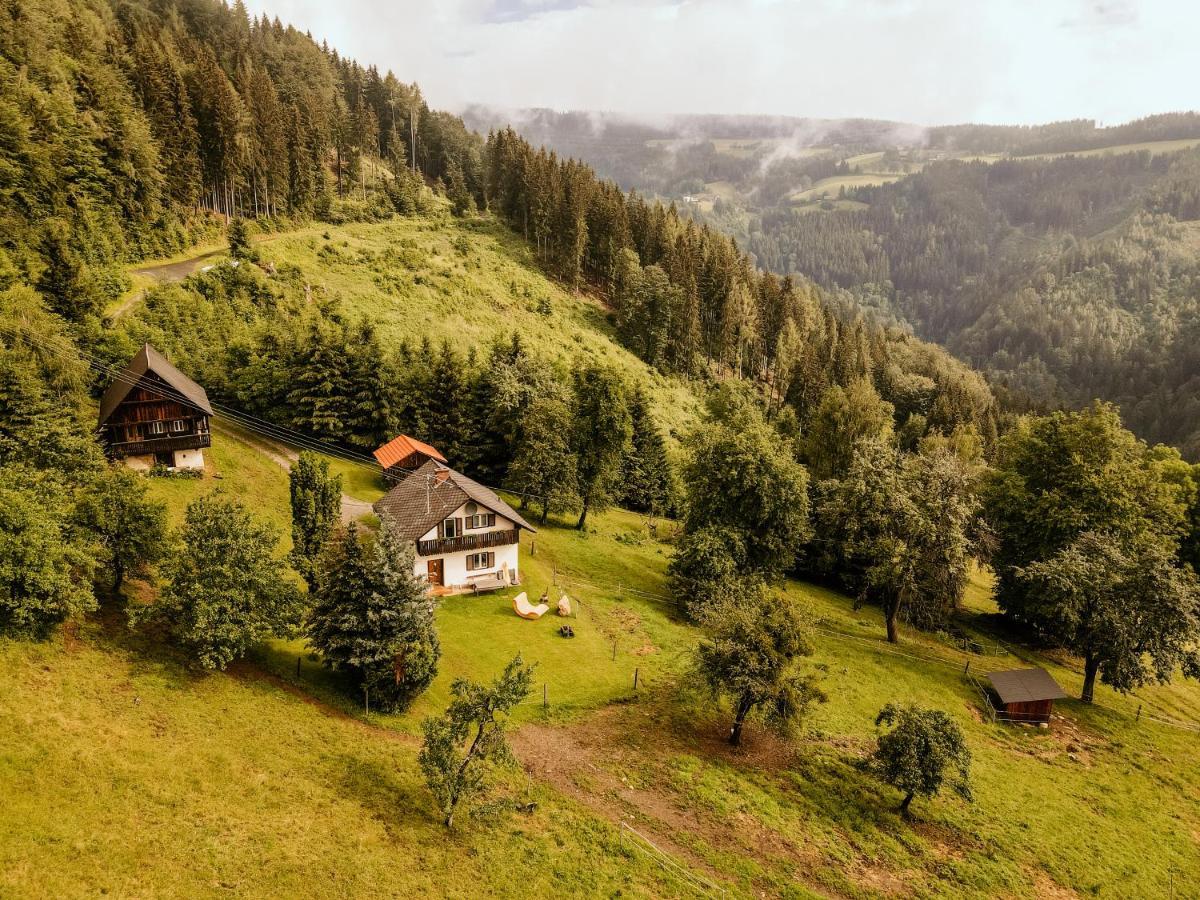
<point>366,700</point>
<point>297,666</point>
<point>533,547</point>
<point>545,699</point>
<point>635,678</point>
<point>1139,713</point>
<point>967,668</point>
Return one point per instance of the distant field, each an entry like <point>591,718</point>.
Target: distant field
<point>808,206</point>
<point>829,187</point>
<point>742,147</point>
<point>1153,147</point>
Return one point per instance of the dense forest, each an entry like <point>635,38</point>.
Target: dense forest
<point>139,126</point>
<point>1064,279</point>
<point>123,123</point>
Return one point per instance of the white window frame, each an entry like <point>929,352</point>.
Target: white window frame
<point>488,560</point>
<point>158,427</point>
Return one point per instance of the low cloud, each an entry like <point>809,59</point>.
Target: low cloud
<point>924,61</point>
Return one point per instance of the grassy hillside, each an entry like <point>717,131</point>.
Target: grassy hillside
<point>124,773</point>
<point>465,281</point>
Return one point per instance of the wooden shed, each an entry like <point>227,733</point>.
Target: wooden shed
<point>1025,695</point>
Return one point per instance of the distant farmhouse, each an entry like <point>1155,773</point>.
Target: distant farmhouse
<point>153,414</point>
<point>467,538</point>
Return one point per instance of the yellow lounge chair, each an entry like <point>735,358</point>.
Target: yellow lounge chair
<point>522,608</point>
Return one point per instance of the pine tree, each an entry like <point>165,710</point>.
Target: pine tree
<point>646,478</point>
<point>316,498</point>
<point>600,435</point>
<point>373,619</point>
<point>543,468</point>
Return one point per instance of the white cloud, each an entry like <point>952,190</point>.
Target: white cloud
<point>927,61</point>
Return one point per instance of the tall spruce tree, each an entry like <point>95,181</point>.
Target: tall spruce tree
<point>316,497</point>
<point>602,429</point>
<point>647,482</point>
<point>544,468</point>
<point>373,619</point>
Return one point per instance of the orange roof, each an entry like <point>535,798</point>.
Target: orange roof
<point>401,448</point>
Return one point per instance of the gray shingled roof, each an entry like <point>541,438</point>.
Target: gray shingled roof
<point>423,499</point>
<point>180,387</point>
<point>1026,686</point>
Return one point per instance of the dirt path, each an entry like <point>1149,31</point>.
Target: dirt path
<point>600,763</point>
<point>176,271</point>
<point>172,272</point>
<point>353,509</point>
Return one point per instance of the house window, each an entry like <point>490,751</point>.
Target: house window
<point>477,561</point>
<point>179,426</point>
<point>450,528</point>
<point>158,427</point>
<point>483,520</point>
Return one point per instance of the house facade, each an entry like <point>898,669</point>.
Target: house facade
<point>153,414</point>
<point>466,538</point>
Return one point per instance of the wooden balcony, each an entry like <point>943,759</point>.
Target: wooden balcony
<point>166,443</point>
<point>469,542</point>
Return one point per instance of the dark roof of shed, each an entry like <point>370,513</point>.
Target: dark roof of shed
<point>179,386</point>
<point>1026,686</point>
<point>431,493</point>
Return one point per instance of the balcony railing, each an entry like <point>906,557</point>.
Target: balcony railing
<point>162,444</point>
<point>481,541</point>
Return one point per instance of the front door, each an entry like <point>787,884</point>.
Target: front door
<point>437,569</point>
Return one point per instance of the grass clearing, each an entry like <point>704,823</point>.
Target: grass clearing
<point>1054,809</point>
<point>467,282</point>
<point>829,187</point>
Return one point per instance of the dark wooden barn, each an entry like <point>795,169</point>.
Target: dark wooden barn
<point>154,414</point>
<point>1025,695</point>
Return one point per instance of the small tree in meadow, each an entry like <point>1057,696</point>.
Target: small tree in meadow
<point>754,642</point>
<point>316,497</point>
<point>923,750</point>
<point>239,240</point>
<point>225,588</point>
<point>466,743</point>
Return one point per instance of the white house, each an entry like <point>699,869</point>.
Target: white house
<point>466,537</point>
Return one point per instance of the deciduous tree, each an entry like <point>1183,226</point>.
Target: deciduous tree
<point>1128,608</point>
<point>923,750</point>
<point>749,654</point>
<point>466,743</point>
<point>226,589</point>
<point>130,528</point>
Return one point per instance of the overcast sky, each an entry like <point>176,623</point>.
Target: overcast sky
<point>924,61</point>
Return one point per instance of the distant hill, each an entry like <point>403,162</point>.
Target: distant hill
<point>1058,258</point>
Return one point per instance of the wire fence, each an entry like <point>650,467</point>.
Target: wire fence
<point>646,846</point>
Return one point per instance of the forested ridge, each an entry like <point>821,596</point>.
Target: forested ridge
<point>1065,279</point>
<point>140,126</point>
